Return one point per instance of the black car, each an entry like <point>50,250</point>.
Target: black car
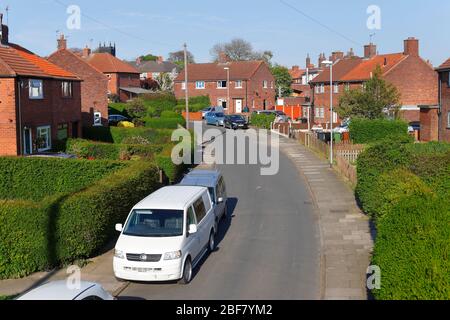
<point>115,119</point>
<point>235,122</point>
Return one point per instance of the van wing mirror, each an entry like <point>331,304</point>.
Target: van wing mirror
<point>220,200</point>
<point>193,229</point>
<point>119,227</point>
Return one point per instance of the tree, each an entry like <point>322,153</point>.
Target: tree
<point>177,57</point>
<point>239,50</point>
<point>136,108</point>
<point>283,80</point>
<point>165,81</point>
<point>149,57</point>
<point>376,100</point>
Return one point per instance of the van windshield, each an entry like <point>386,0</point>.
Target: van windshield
<point>155,223</point>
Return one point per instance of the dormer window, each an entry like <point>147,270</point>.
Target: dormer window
<point>36,89</point>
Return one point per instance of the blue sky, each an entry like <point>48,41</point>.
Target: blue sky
<point>160,27</point>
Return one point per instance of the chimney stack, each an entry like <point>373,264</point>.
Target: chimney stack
<point>4,36</point>
<point>337,55</point>
<point>412,47</point>
<point>62,42</point>
<point>350,54</point>
<point>370,51</point>
<point>86,52</point>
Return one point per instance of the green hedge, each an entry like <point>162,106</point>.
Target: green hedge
<point>118,109</point>
<point>170,114</point>
<point>262,121</point>
<point>364,131</point>
<point>118,135</point>
<point>108,151</point>
<point>37,178</point>
<point>164,123</point>
<point>37,236</point>
<point>412,250</point>
<point>192,107</point>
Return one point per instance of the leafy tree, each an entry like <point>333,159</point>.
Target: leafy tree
<point>177,57</point>
<point>149,57</point>
<point>136,108</point>
<point>283,80</point>
<point>377,99</point>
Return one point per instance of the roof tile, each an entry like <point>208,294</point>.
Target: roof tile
<point>107,63</point>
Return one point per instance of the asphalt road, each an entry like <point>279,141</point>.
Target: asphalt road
<point>268,250</point>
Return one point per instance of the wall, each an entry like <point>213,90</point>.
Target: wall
<point>444,132</point>
<point>429,121</point>
<point>8,118</point>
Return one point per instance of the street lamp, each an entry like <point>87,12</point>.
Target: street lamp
<point>330,63</point>
<point>228,89</point>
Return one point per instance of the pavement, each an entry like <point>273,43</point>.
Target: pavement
<point>346,233</point>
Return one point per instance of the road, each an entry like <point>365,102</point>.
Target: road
<point>269,250</point>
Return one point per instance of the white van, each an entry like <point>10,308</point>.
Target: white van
<point>166,235</point>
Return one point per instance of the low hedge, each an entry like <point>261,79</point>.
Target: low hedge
<point>37,178</point>
<point>363,131</point>
<point>262,121</point>
<point>61,229</point>
<point>118,135</point>
<point>164,123</point>
<point>170,114</point>
<point>108,151</point>
<point>412,250</point>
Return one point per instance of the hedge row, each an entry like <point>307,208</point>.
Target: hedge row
<point>363,131</point>
<point>108,151</point>
<point>164,123</point>
<point>37,236</point>
<point>37,178</point>
<point>118,135</point>
<point>262,121</point>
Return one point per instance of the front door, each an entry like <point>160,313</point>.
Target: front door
<point>27,142</point>
<point>239,106</point>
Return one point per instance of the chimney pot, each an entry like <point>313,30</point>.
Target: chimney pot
<point>86,52</point>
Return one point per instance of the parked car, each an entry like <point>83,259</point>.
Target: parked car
<point>341,129</point>
<point>207,110</point>
<point>59,290</point>
<point>235,122</point>
<point>116,118</point>
<point>215,118</point>
<point>166,235</point>
<point>214,181</point>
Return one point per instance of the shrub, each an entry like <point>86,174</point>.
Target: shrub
<point>412,250</point>
<point>118,135</point>
<point>170,114</point>
<point>118,109</point>
<point>364,131</point>
<point>37,178</point>
<point>262,121</point>
<point>164,123</point>
<point>136,108</point>
<point>125,124</point>
<point>61,229</point>
<point>135,140</point>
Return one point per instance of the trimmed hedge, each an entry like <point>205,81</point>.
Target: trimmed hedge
<point>364,131</point>
<point>170,114</point>
<point>118,135</point>
<point>412,250</point>
<point>262,121</point>
<point>164,123</point>
<point>37,178</point>
<point>107,151</point>
<point>37,236</point>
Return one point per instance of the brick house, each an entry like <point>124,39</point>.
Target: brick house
<point>40,102</point>
<point>123,80</point>
<point>252,84</point>
<point>414,78</point>
<point>94,88</point>
<point>444,102</point>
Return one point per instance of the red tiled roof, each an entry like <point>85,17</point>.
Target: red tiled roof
<point>107,63</point>
<point>445,65</point>
<point>364,70</point>
<point>17,61</point>
<point>296,73</point>
<point>340,69</point>
<point>239,70</point>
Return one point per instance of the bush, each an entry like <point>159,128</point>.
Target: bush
<point>262,121</point>
<point>136,108</point>
<point>125,124</point>
<point>118,109</point>
<point>37,178</point>
<point>412,250</point>
<point>364,131</point>
<point>170,114</point>
<point>164,123</point>
<point>118,135</point>
<point>61,229</point>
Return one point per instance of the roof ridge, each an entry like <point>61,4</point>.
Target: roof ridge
<point>79,58</point>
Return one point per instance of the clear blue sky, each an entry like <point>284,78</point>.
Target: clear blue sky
<point>159,27</point>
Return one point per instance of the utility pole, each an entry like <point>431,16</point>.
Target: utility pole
<point>186,85</point>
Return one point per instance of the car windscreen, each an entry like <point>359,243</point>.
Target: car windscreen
<point>220,115</point>
<point>237,118</point>
<point>155,223</point>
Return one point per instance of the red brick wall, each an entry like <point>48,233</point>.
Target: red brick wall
<point>252,91</point>
<point>127,80</point>
<point>429,120</point>
<point>8,118</point>
<point>444,132</point>
<point>94,95</point>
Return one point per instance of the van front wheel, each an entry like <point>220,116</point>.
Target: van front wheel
<point>187,272</point>
<point>212,242</point>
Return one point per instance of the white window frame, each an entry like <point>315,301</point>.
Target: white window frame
<point>336,88</point>
<point>200,85</point>
<point>49,137</point>
<point>40,95</point>
<point>238,84</point>
<point>322,88</point>
<point>70,88</point>
<point>220,84</point>
<point>448,120</point>
<point>316,89</point>
<point>183,85</point>
<point>265,84</point>
<point>347,86</point>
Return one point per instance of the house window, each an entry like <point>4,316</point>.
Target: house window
<point>336,88</point>
<point>44,138</point>
<point>448,79</point>
<point>271,84</point>
<point>320,112</point>
<point>221,84</point>
<point>36,89</point>
<point>66,88</point>
<point>448,120</point>
<point>265,84</point>
<point>183,85</point>
<point>347,86</point>
<point>239,84</point>
<point>316,89</point>
<point>63,131</point>
<point>200,85</point>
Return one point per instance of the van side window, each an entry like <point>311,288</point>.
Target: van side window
<point>207,202</point>
<point>191,217</point>
<point>200,210</point>
<point>221,190</point>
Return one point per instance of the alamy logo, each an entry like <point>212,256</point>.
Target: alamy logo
<point>374,278</point>
<point>73,281</point>
<point>74,19</point>
<point>374,20</point>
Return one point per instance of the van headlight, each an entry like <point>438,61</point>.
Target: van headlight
<point>173,255</point>
<point>119,254</point>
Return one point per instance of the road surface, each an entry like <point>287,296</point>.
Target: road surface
<point>268,250</point>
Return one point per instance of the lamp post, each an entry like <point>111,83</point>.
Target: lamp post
<point>186,85</point>
<point>228,89</point>
<point>330,63</point>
